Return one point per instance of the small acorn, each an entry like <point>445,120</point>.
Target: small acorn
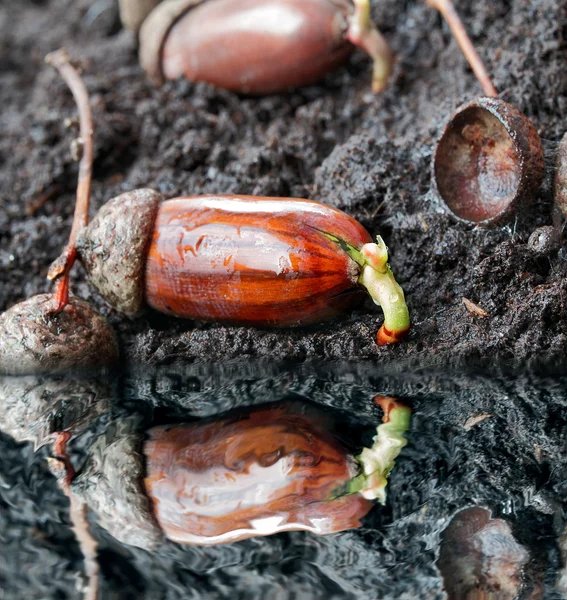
<point>34,339</point>
<point>488,162</point>
<point>259,46</point>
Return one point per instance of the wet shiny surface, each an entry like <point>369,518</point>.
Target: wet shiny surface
<point>511,464</point>
<point>263,261</point>
<point>258,47</point>
<point>259,473</point>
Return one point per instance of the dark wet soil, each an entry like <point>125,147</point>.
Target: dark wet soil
<point>370,156</point>
<point>335,142</point>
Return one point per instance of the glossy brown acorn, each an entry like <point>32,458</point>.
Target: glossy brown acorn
<point>258,46</point>
<point>253,261</point>
<point>261,473</point>
<point>238,259</point>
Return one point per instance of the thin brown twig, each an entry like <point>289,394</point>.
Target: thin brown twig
<point>61,267</point>
<point>446,8</point>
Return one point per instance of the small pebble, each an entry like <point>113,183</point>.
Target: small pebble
<point>544,241</point>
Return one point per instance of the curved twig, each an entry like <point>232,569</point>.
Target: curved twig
<point>61,267</point>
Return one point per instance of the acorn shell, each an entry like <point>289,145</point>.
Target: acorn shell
<point>252,260</point>
<point>248,46</point>
<point>488,162</point>
<point>111,485</point>
<point>35,340</point>
<point>112,248</point>
<point>255,474</point>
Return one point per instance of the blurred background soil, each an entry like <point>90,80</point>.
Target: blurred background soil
<point>335,142</point>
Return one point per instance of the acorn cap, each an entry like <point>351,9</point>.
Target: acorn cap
<point>113,248</point>
<point>134,12</point>
<point>111,485</point>
<point>560,181</point>
<point>488,162</point>
<point>34,340</point>
<point>153,33</point>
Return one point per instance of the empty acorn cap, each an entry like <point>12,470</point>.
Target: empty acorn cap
<point>35,340</point>
<point>153,33</point>
<point>488,162</point>
<point>112,248</point>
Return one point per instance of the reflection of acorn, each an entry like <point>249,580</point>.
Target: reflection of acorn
<point>34,339</point>
<point>255,472</point>
<point>261,473</point>
<point>258,472</point>
<point>480,558</point>
<point>488,162</point>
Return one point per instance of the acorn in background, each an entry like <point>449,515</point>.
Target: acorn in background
<point>254,46</point>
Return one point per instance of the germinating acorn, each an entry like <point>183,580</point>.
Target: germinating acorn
<point>259,46</point>
<point>238,259</point>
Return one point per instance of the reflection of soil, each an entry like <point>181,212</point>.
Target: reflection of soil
<point>480,558</point>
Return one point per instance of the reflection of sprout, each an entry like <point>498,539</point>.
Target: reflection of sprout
<point>378,461</point>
